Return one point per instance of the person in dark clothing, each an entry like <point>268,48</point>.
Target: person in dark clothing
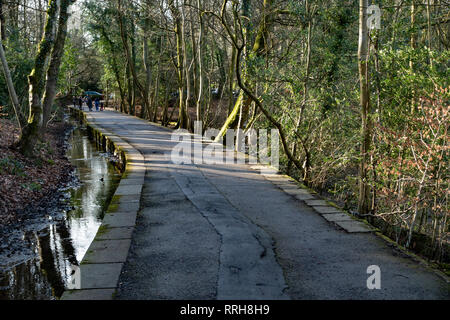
<point>80,102</point>
<point>89,103</point>
<point>74,100</point>
<point>97,104</point>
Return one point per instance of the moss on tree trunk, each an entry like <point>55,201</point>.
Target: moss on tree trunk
<point>30,134</point>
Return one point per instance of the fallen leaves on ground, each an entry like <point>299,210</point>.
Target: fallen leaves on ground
<point>25,181</point>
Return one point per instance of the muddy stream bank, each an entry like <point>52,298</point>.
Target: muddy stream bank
<point>39,266</point>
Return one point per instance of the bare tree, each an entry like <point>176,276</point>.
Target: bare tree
<point>363,57</point>
<point>10,84</point>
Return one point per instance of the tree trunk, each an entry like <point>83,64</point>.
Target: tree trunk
<point>251,95</point>
<point>185,65</point>
<point>307,169</point>
<point>199,106</point>
<point>13,8</point>
<point>156,89</point>
<point>10,84</point>
<point>36,84</point>
<point>115,68</point>
<point>55,62</point>
<point>25,24</point>
<point>195,67</point>
<point>429,33</point>
<point>363,57</point>
<point>259,49</point>
<point>132,70</point>
<point>130,95</point>
<point>146,113</point>
<point>182,117</point>
<point>130,55</point>
<point>231,79</point>
<point>413,46</point>
<point>2,21</point>
<point>41,19</point>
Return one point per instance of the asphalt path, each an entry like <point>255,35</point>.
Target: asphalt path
<point>225,231</point>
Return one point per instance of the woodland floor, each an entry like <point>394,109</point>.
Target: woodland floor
<point>25,182</point>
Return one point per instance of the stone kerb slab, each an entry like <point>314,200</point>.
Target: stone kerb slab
<point>101,267</point>
<point>329,212</point>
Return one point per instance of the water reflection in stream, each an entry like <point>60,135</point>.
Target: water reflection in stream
<point>65,243</point>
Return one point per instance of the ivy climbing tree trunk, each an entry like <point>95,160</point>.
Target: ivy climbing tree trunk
<point>247,91</point>
<point>259,49</point>
<point>55,62</point>
<point>36,81</point>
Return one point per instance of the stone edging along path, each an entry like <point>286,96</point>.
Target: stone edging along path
<point>101,266</point>
<point>333,214</point>
<point>328,210</point>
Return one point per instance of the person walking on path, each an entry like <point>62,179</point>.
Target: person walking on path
<point>80,102</point>
<point>97,104</point>
<point>89,103</point>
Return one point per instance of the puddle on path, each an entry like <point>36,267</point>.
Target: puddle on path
<point>65,242</point>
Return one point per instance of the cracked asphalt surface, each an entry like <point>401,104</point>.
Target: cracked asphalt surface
<point>225,232</point>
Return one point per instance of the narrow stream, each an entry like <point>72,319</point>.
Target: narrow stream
<point>65,242</point>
